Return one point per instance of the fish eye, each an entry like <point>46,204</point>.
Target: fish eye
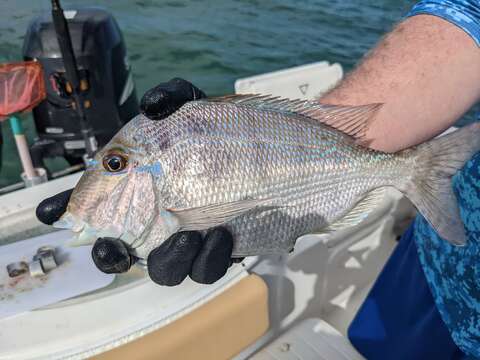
<point>115,162</point>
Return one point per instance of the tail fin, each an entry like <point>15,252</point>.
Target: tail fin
<point>430,188</point>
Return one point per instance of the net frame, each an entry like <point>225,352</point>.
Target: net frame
<point>22,87</point>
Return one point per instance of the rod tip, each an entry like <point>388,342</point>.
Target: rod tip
<point>56,5</point>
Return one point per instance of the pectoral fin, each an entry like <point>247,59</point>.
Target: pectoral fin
<point>205,217</point>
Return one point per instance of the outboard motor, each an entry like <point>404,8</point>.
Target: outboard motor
<point>106,81</point>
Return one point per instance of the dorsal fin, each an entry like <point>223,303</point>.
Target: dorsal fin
<point>351,120</point>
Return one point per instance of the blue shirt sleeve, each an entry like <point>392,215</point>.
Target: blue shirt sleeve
<point>452,272</point>
<point>463,13</point>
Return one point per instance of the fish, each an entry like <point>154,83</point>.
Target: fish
<point>267,169</point>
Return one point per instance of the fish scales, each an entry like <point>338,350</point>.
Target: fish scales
<point>270,170</point>
<point>226,154</point>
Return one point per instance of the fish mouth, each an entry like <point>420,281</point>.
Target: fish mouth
<point>69,222</point>
<point>85,234</point>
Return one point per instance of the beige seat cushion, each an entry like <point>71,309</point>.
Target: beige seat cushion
<point>219,329</point>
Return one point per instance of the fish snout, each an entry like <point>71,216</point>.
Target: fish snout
<point>69,222</point>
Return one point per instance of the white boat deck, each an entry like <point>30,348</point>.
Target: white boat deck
<point>17,209</point>
<point>326,277</point>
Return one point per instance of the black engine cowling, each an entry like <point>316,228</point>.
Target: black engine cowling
<point>107,86</point>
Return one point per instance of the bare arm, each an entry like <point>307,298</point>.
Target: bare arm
<point>427,74</point>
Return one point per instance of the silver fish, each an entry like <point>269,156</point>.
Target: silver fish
<point>268,169</point>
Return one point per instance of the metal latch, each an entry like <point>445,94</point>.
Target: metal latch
<point>42,263</point>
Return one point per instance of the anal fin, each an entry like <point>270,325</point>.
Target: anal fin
<point>358,213</point>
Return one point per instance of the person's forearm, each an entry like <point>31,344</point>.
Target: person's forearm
<point>426,73</point>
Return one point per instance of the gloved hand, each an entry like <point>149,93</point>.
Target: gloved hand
<point>184,254</point>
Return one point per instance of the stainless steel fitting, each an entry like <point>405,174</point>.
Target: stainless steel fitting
<point>43,262</point>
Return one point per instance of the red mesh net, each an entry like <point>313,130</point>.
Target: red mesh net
<point>21,87</point>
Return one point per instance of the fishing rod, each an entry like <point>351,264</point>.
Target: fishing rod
<point>75,85</point>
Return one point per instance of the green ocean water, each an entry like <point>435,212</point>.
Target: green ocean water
<point>213,42</point>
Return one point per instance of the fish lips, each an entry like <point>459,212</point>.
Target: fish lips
<point>86,234</point>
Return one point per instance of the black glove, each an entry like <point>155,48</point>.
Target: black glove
<point>166,98</point>
<point>183,254</point>
<point>204,259</point>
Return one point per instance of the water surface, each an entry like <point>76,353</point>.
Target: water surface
<point>213,42</point>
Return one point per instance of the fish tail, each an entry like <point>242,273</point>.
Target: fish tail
<point>430,186</point>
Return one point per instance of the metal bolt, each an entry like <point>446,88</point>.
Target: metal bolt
<point>44,249</point>
<point>46,256</point>
<point>43,262</point>
<point>36,268</point>
<point>285,347</point>
<point>48,261</point>
<point>17,268</point>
